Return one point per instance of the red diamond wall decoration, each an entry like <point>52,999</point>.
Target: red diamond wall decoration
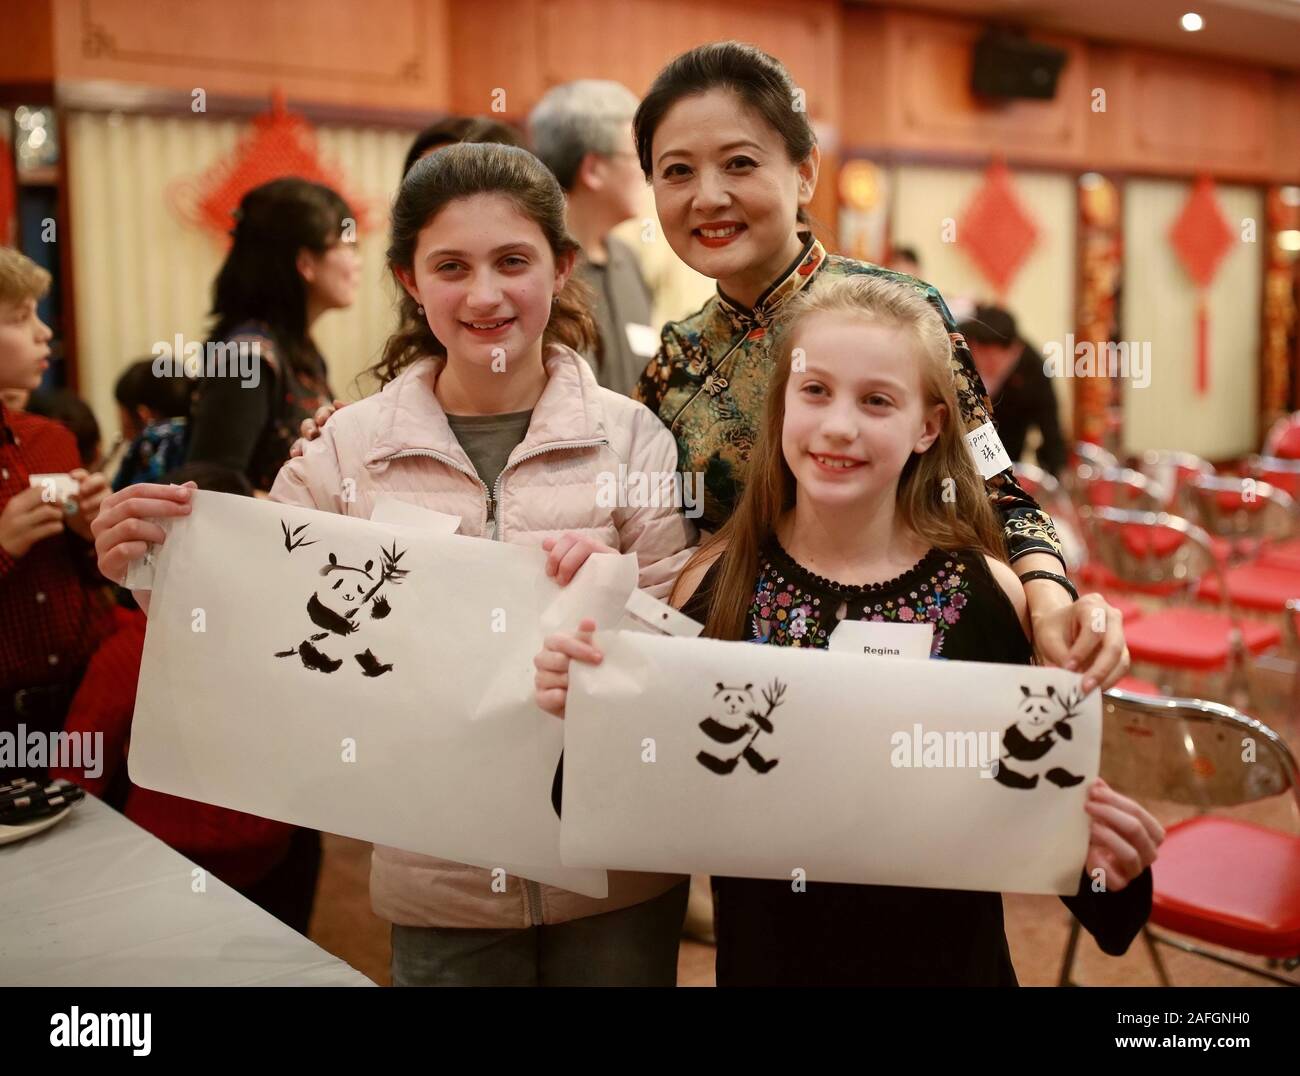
<point>1201,237</point>
<point>280,143</point>
<point>996,229</point>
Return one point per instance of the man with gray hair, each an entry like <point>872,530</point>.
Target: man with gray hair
<point>582,131</point>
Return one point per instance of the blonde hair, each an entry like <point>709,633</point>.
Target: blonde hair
<point>941,495</point>
<point>20,277</point>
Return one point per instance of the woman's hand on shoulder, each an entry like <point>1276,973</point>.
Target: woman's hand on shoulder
<point>309,429</point>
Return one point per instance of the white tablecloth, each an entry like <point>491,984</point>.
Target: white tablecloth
<point>98,901</point>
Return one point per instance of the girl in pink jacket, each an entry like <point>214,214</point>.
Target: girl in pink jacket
<point>489,413</point>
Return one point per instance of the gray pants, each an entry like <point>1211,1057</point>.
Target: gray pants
<point>634,946</point>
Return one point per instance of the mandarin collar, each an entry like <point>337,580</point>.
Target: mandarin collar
<point>791,281</point>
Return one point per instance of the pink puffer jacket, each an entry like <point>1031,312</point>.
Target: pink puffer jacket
<point>399,442</point>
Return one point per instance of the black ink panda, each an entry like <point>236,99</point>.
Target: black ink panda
<point>1030,738</point>
<point>734,700</point>
<point>740,716</point>
<point>352,588</point>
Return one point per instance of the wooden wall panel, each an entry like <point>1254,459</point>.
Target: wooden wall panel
<point>528,46</point>
<point>1191,110</point>
<point>383,54</point>
<point>906,90</point>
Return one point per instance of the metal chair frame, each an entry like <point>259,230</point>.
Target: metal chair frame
<point>1200,728</point>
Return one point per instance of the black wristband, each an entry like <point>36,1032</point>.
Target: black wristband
<point>1055,577</point>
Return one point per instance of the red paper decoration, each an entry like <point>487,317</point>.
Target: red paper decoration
<point>996,229</point>
<point>281,143</point>
<point>8,195</point>
<point>1201,237</point>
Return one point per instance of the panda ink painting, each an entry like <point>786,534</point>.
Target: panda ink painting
<point>347,595</point>
<point>1044,720</point>
<point>740,717</point>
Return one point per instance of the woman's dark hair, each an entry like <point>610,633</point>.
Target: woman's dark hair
<point>259,280</point>
<point>167,396</point>
<point>462,171</point>
<point>455,129</point>
<point>758,79</point>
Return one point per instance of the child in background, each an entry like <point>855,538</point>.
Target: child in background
<point>69,410</point>
<point>863,503</point>
<point>54,608</point>
<point>154,412</point>
<point>489,413</point>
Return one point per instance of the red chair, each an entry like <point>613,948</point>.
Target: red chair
<point>1170,555</point>
<point>1283,439</point>
<point>1172,472</point>
<point>1249,514</point>
<point>1216,880</point>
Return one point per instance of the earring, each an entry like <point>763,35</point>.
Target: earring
<point>421,310</point>
<point>554,299</point>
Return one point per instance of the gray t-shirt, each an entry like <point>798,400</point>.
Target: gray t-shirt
<point>488,441</point>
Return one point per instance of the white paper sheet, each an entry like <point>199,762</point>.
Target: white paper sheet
<point>824,790</point>
<point>452,756</point>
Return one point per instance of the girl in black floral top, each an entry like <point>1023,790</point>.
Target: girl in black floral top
<point>863,503</point>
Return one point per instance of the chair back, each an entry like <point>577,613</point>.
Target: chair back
<point>1172,471</point>
<point>1242,509</point>
<point>1152,550</point>
<point>1192,752</point>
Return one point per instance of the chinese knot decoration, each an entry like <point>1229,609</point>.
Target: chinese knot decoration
<point>996,229</point>
<point>1201,236</point>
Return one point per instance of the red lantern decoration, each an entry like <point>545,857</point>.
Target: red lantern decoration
<point>996,229</point>
<point>280,144</point>
<point>1201,236</point>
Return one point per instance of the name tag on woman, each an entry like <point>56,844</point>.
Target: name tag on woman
<point>878,639</point>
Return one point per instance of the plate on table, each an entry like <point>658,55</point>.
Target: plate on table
<point>9,834</point>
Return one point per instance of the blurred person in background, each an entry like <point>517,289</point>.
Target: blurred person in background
<point>453,129</point>
<point>54,608</point>
<point>154,412</point>
<point>293,258</point>
<point>1021,391</point>
<point>902,259</point>
<point>582,131</point>
<point>72,412</point>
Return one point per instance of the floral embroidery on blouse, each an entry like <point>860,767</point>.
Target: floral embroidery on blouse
<point>939,602</point>
<point>708,383</point>
<point>793,606</point>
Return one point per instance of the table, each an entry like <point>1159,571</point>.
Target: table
<point>98,901</point>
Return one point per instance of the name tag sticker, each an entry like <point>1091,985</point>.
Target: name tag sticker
<point>642,339</point>
<point>644,613</point>
<point>876,638</point>
<point>990,454</point>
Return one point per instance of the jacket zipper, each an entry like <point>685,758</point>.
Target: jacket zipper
<point>532,890</point>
